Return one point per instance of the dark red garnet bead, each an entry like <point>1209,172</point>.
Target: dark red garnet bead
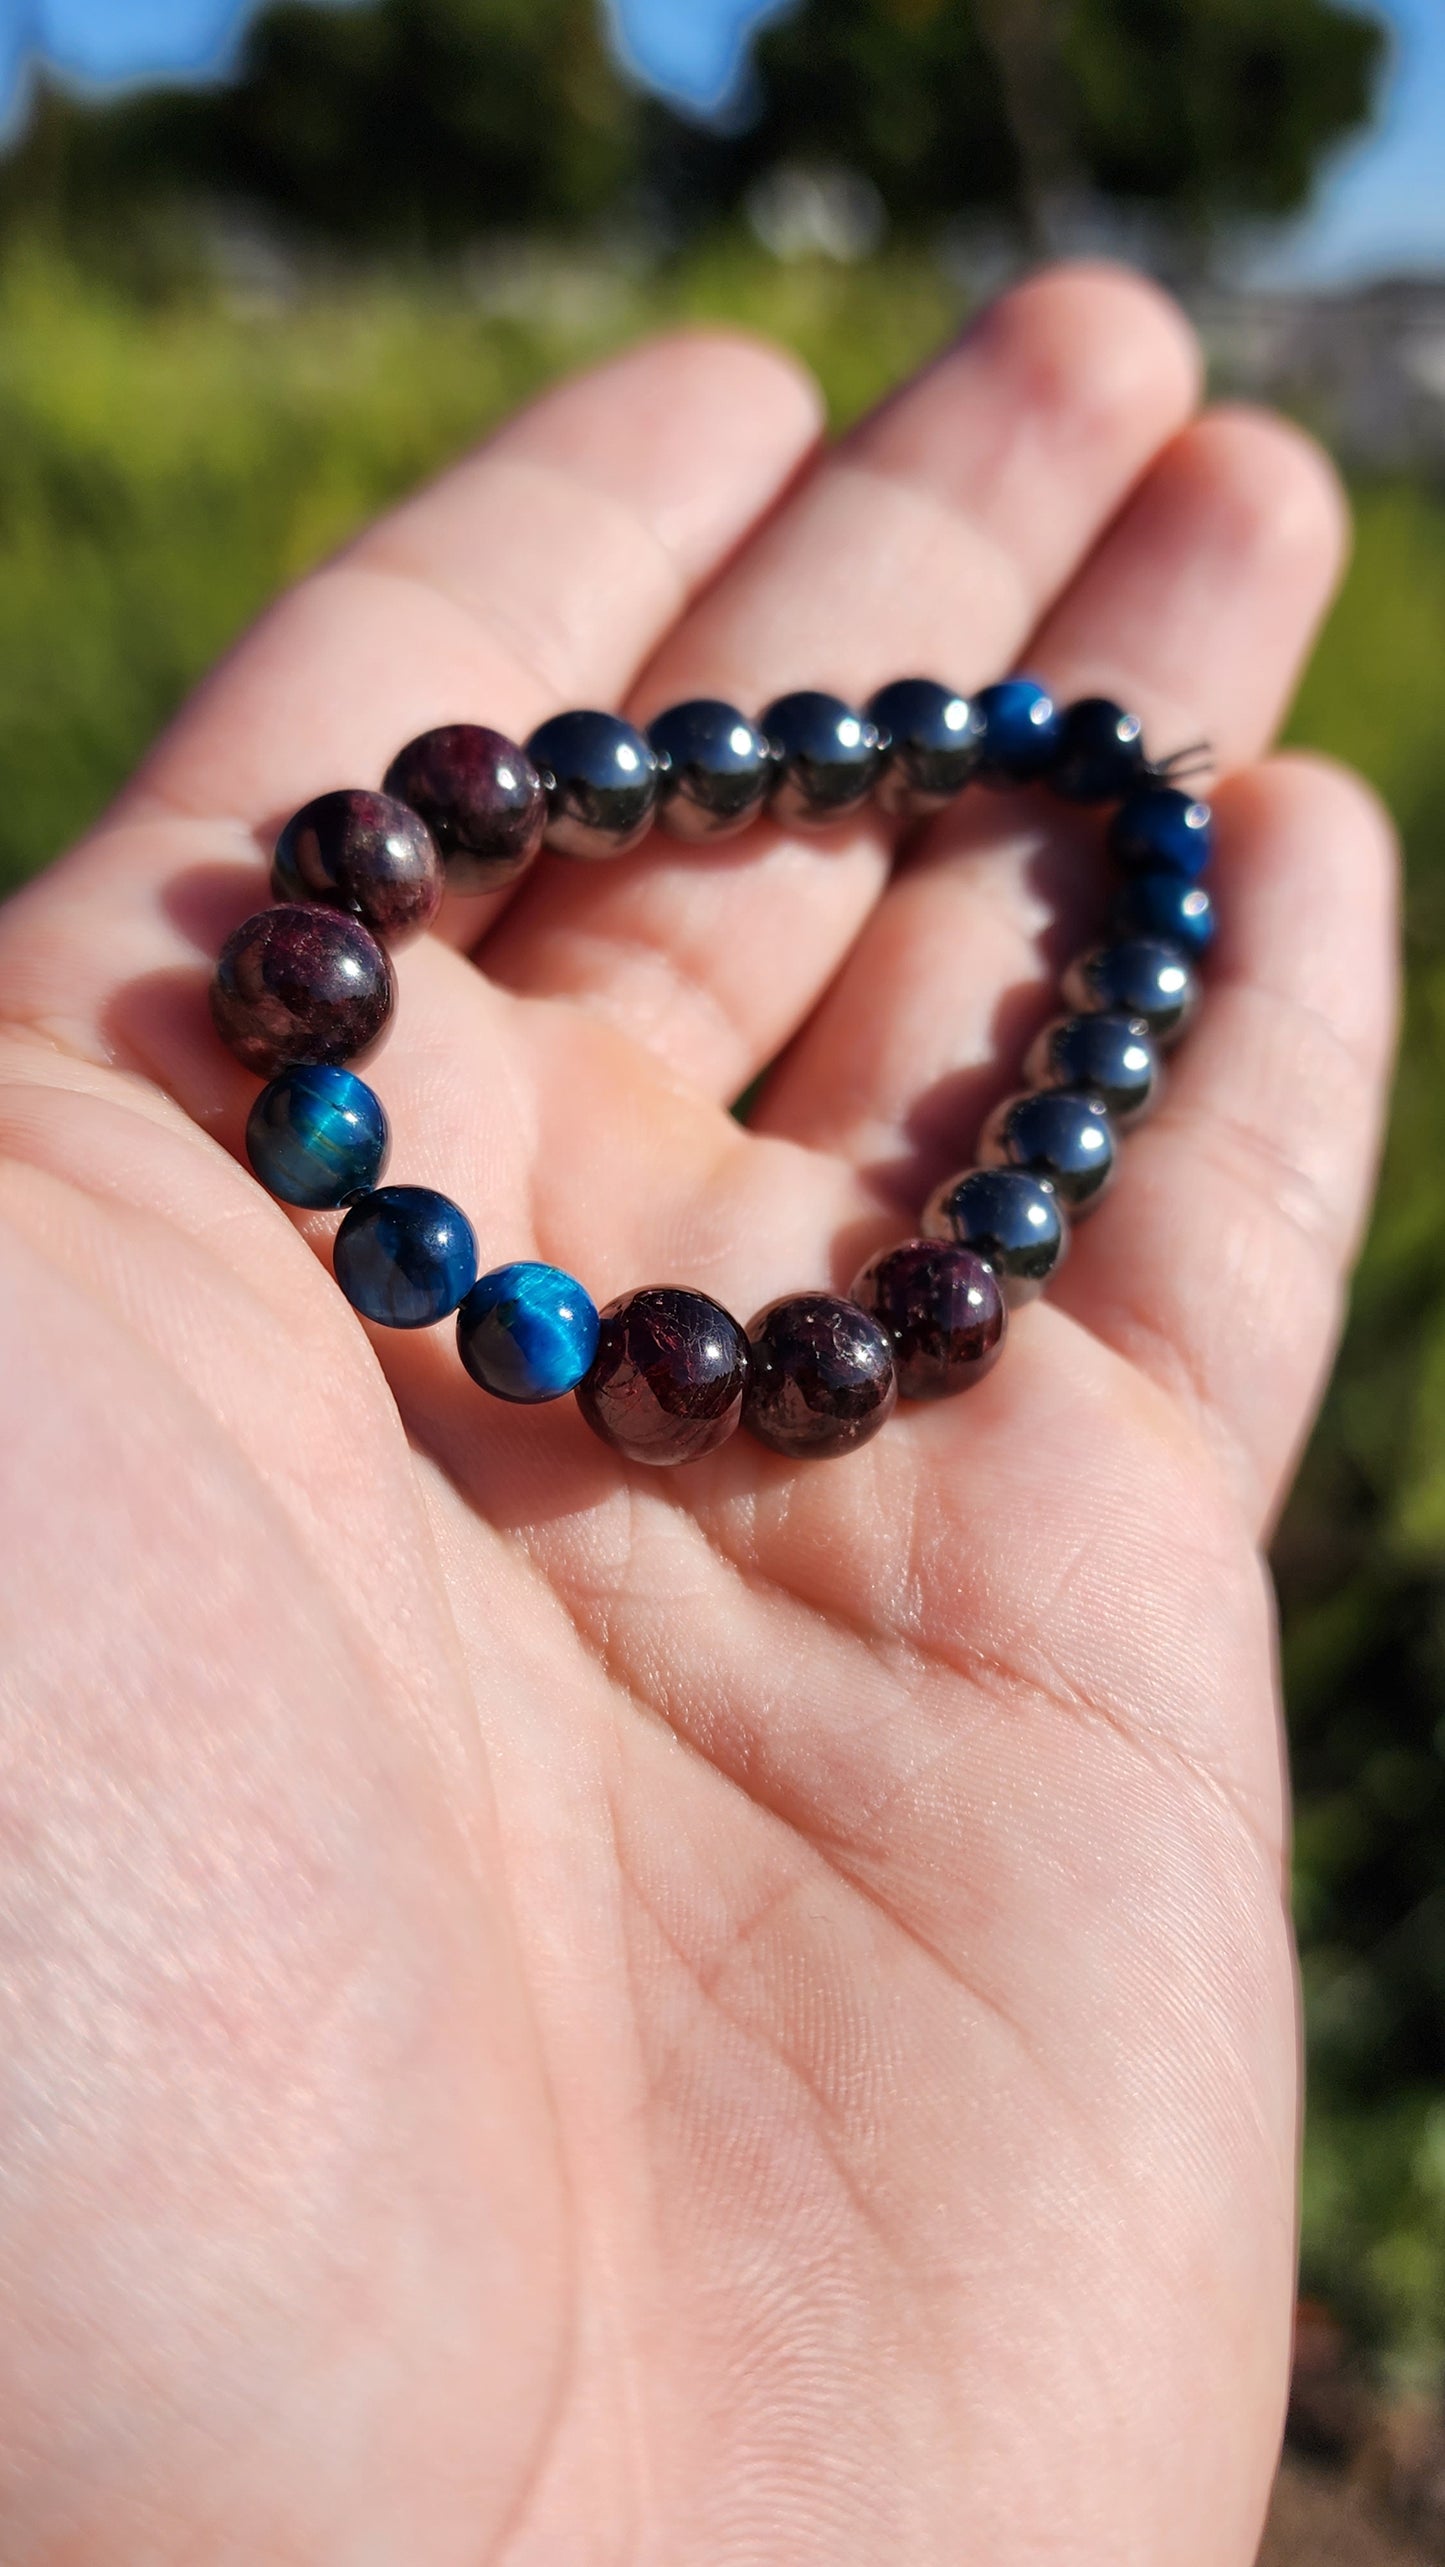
<point>302,984</point>
<point>667,1381</point>
<point>944,1311</point>
<point>821,1378</point>
<point>480,796</point>
<point>366,853</point>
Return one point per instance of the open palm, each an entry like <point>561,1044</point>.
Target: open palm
<point>562,2014</point>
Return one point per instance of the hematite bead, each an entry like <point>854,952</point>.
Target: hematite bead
<point>1139,976</point>
<point>667,1382</point>
<point>301,984</point>
<point>405,1256</point>
<point>944,1311</point>
<point>1020,732</point>
<point>527,1332</point>
<point>821,1376</point>
<point>826,758</point>
<point>480,796</point>
<point>1164,905</point>
<point>1161,829</point>
<point>601,779</point>
<point>317,1136</point>
<point>1066,1139</point>
<point>1100,751</point>
<point>930,738</point>
<point>366,853</point>
<point>1009,1218</point>
<point>1107,1056</point>
<point>715,769</point>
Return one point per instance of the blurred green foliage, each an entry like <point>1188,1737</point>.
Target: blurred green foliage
<point>166,464</point>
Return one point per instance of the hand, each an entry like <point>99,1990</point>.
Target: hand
<point>567,2014</point>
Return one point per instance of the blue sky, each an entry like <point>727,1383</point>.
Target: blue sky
<point>1381,209</point>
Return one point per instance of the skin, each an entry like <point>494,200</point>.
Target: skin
<point>558,2015</point>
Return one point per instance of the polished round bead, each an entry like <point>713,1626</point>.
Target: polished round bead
<point>826,759</point>
<point>527,1332</point>
<point>930,738</point>
<point>405,1256</point>
<point>364,852</point>
<point>943,1310</point>
<point>821,1376</point>
<point>1099,753</point>
<point>480,796</point>
<point>1160,829</point>
<point>668,1378</point>
<point>1019,726</point>
<point>715,768</point>
<point>601,779</point>
<point>317,1136</point>
<point>1011,1219</point>
<point>1066,1139</point>
<point>1109,1056</point>
<point>1136,976</point>
<point>1164,905</point>
<point>301,984</point>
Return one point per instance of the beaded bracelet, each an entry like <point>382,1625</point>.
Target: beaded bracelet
<point>666,1374</point>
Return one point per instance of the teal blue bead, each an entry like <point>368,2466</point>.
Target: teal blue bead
<point>527,1332</point>
<point>317,1136</point>
<point>1167,905</point>
<point>1161,830</point>
<point>405,1256</point>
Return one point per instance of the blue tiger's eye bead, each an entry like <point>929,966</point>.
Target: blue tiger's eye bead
<point>1100,751</point>
<point>1066,1139</point>
<point>1164,905</point>
<point>527,1332</point>
<point>1110,1057</point>
<point>1161,829</point>
<point>405,1256</point>
<point>1020,732</point>
<point>601,779</point>
<point>930,738</point>
<point>715,769</point>
<point>1009,1218</point>
<point>317,1136</point>
<point>826,759</point>
<point>1138,976</point>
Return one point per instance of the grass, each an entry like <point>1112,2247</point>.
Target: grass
<point>164,468</point>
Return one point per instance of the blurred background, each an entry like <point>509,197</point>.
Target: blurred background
<point>261,266</point>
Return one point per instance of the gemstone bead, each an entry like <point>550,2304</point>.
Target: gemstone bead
<point>667,1381</point>
<point>527,1332</point>
<point>480,796</point>
<point>1161,829</point>
<point>366,853</point>
<point>821,1376</point>
<point>1107,1056</point>
<point>1164,905</point>
<point>1066,1139</point>
<point>1140,977</point>
<point>601,780</point>
<point>715,769</point>
<point>301,984</point>
<point>930,739</point>
<point>826,757</point>
<point>405,1256</point>
<point>1100,751</point>
<point>944,1311</point>
<point>317,1136</point>
<point>1020,731</point>
<point>1009,1218</point>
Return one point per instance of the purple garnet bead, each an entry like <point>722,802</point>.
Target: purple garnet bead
<point>943,1309</point>
<point>667,1381</point>
<point>301,984</point>
<point>821,1377</point>
<point>365,853</point>
<point>480,796</point>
